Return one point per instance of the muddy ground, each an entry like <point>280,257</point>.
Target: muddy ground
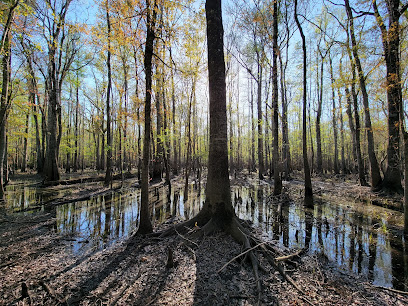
<point>37,265</point>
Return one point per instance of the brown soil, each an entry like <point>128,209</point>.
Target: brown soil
<point>133,272</point>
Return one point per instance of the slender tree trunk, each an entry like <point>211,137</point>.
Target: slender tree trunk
<point>343,159</point>
<point>188,128</point>
<point>76,161</point>
<point>167,141</point>
<point>25,143</point>
<point>285,125</point>
<point>260,120</point>
<point>126,159</point>
<point>374,168</point>
<point>405,183</point>
<point>34,100</point>
<point>158,158</point>
<point>308,181</point>
<point>173,116</point>
<point>360,163</point>
<point>251,103</point>
<point>334,120</point>
<point>319,158</point>
<point>109,142</point>
<point>275,157</point>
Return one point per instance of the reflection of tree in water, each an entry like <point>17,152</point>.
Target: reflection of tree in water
<point>260,205</point>
<point>108,217</point>
<point>399,262</point>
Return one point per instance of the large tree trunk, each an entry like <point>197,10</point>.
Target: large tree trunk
<point>391,46</point>
<point>374,168</point>
<point>145,225</point>
<point>218,192</point>
<point>51,171</point>
<point>56,73</point>
<point>308,181</point>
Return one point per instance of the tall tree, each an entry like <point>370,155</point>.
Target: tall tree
<point>374,168</point>
<point>145,225</point>
<point>5,97</point>
<point>62,49</point>
<point>275,157</point>
<point>109,140</point>
<point>306,168</point>
<point>391,46</point>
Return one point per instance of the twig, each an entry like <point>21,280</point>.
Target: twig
<point>185,238</point>
<point>192,251</point>
<point>242,297</point>
<point>283,258</point>
<point>239,255</point>
<point>392,290</point>
<point>279,268</point>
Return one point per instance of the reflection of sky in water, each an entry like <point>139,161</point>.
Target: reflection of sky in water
<point>22,196</point>
<point>351,240</point>
<point>99,221</point>
<point>383,266</point>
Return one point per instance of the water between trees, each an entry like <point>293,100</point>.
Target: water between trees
<point>354,237</point>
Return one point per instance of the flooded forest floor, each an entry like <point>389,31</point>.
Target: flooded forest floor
<point>74,244</point>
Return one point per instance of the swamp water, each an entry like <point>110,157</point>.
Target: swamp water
<point>353,240</point>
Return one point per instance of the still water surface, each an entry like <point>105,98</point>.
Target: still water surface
<point>358,241</point>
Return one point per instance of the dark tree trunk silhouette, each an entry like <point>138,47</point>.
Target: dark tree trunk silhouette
<point>308,181</point>
<point>145,225</point>
<point>61,53</point>
<point>260,119</point>
<point>109,142</point>
<point>334,120</point>
<point>374,168</point>
<point>5,103</point>
<point>391,45</point>
<point>275,156</point>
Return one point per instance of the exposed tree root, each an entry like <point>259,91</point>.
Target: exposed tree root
<point>201,226</point>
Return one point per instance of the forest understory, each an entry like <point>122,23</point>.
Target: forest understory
<point>37,265</point>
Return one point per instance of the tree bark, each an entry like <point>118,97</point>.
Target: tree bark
<point>76,161</point>
<point>374,168</point>
<point>275,158</point>
<point>334,120</point>
<point>108,174</point>
<point>308,181</point>
<point>391,45</point>
<point>260,119</point>
<point>145,225</point>
<point>319,158</point>
<point>55,77</point>
<point>218,192</point>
